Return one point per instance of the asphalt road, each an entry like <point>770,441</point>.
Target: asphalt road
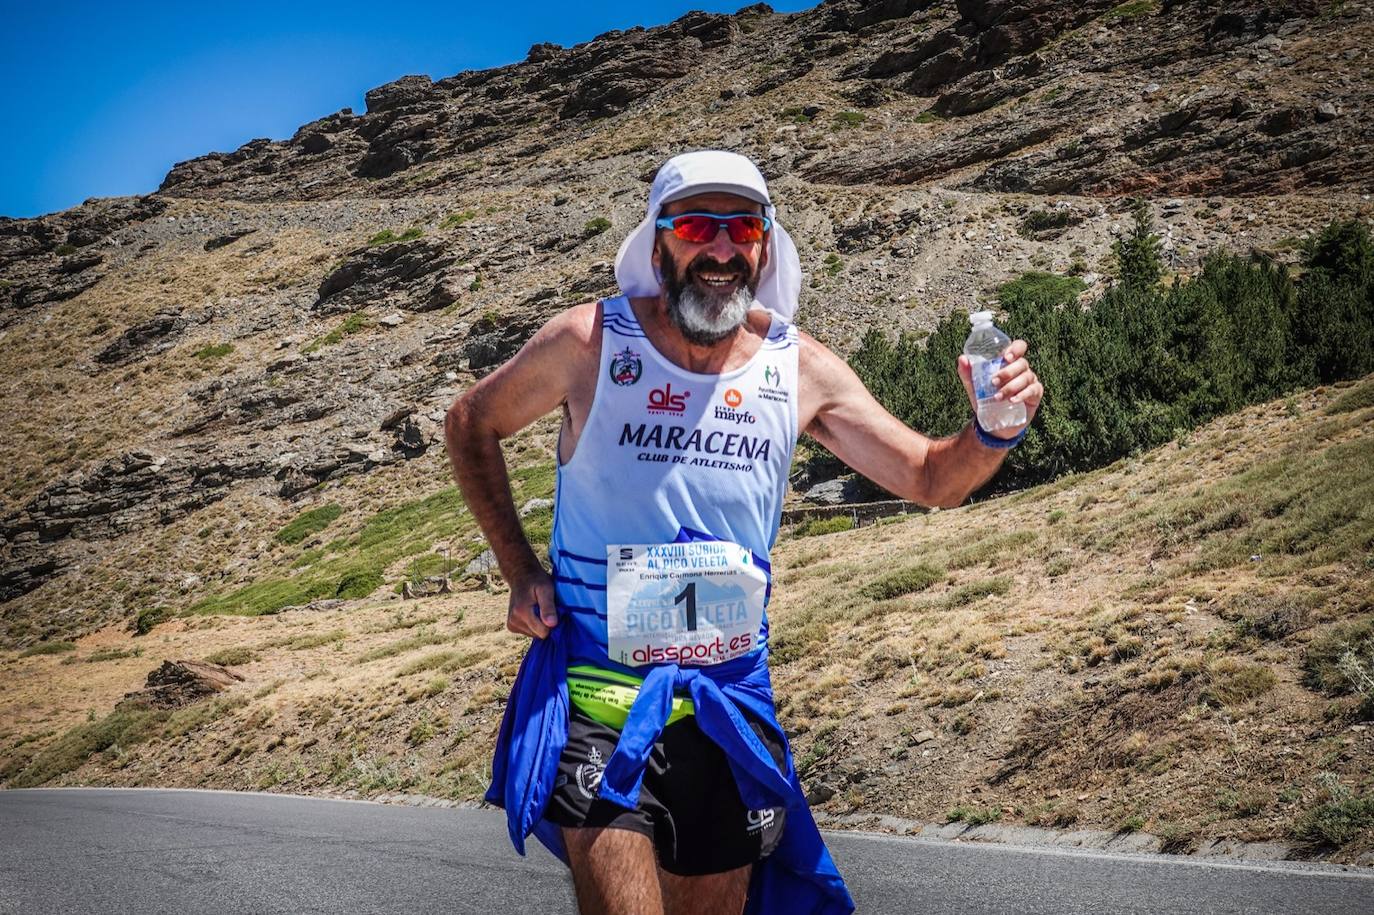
<point>191,852</point>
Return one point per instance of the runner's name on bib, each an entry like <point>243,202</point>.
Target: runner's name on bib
<point>692,604</point>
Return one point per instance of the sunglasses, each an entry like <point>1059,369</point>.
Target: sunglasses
<point>700,228</point>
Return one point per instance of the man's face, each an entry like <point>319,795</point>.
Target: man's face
<point>709,286</point>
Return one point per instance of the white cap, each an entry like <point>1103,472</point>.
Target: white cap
<point>704,172</point>
<point>980,317</point>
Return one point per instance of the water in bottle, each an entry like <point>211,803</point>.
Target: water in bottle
<point>984,348</point>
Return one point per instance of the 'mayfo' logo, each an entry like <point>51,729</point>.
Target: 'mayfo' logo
<point>663,400</point>
<point>731,412</point>
<point>626,367</point>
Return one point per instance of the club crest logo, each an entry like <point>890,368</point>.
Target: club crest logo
<point>589,774</point>
<point>626,367</point>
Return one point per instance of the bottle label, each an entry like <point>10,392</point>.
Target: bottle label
<point>983,371</point>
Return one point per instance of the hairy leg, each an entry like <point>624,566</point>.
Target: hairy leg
<point>711,894</point>
<point>614,872</point>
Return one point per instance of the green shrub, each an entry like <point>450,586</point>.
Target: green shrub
<point>1339,819</point>
<point>308,523</point>
<point>1133,9</point>
<point>457,219</point>
<point>40,648</point>
<point>596,226</point>
<point>214,351</point>
<point>386,236</point>
<point>974,816</point>
<point>147,619</point>
<point>63,250</point>
<point>359,583</point>
<point>1047,221</point>
<point>849,118</point>
<point>350,325</point>
<point>815,527</point>
<point>904,581</point>
<point>1332,661</point>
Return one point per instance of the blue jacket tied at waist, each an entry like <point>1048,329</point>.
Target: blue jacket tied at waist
<point>799,877</point>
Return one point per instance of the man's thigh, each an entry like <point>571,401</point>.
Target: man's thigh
<point>614,873</point>
<point>710,894</point>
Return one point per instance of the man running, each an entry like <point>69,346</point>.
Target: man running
<point>640,741</point>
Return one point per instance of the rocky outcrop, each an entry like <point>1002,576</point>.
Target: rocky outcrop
<point>179,683</point>
<point>57,257</point>
<point>401,272</point>
<point>118,496</point>
<point>158,334</point>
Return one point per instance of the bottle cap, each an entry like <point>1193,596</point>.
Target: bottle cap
<point>980,317</point>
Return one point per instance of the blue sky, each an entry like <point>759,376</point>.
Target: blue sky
<point>101,99</point>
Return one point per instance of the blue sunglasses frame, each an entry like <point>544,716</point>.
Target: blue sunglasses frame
<point>723,220</point>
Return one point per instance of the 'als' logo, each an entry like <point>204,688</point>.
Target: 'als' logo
<point>733,398</point>
<point>626,367</point>
<point>663,400</point>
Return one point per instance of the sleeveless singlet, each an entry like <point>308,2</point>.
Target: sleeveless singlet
<point>669,456</point>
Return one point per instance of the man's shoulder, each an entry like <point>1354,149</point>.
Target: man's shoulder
<point>578,326</point>
<point>813,356</point>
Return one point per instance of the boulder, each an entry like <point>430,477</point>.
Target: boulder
<point>179,683</point>
<point>835,492</point>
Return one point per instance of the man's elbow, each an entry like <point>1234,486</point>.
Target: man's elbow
<point>930,494</point>
<point>459,421</point>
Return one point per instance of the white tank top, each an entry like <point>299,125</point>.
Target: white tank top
<point>666,455</point>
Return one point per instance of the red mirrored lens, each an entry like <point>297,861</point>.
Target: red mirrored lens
<point>743,228</point>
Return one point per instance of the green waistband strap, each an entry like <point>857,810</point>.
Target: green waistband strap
<point>605,696</point>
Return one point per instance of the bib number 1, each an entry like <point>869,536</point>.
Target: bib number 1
<point>693,604</point>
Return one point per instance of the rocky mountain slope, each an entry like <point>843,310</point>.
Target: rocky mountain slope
<point>297,311</point>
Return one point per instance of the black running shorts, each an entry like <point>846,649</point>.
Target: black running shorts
<point>689,806</point>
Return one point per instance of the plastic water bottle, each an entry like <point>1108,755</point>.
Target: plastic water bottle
<point>984,348</point>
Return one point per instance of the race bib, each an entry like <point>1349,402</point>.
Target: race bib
<point>692,604</point>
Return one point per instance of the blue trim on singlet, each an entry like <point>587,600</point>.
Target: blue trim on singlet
<point>585,611</point>
<point>564,554</point>
<point>591,586</point>
<point>623,327</point>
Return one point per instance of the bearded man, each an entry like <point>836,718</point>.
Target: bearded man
<point>640,741</point>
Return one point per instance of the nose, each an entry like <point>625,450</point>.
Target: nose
<point>721,245</point>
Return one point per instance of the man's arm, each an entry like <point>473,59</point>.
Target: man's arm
<point>841,414</point>
<point>536,380</point>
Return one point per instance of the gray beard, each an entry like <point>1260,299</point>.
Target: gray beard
<point>706,319</point>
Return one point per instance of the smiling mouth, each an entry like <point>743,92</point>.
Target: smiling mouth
<point>714,280</point>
